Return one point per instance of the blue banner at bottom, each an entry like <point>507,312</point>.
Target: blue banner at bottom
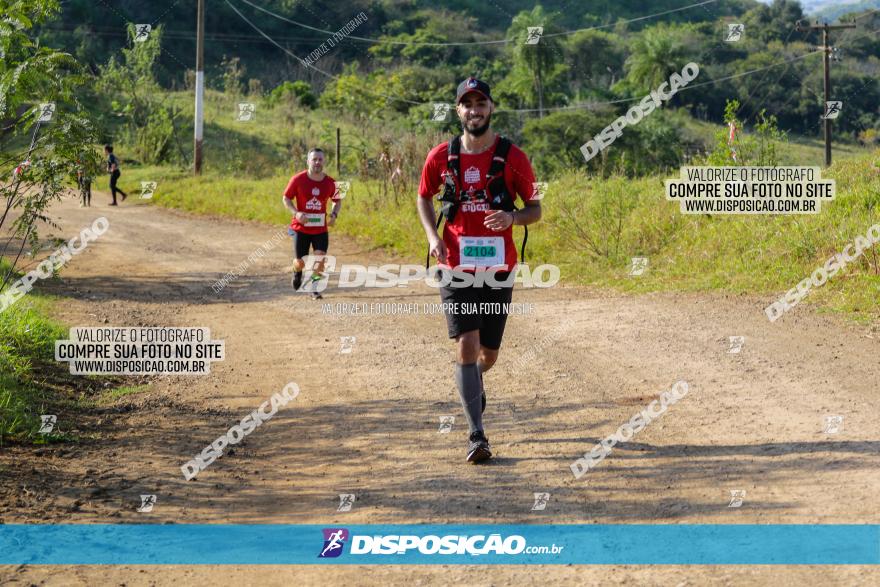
<point>633,544</point>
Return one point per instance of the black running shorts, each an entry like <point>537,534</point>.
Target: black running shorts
<point>302,242</point>
<point>478,308</point>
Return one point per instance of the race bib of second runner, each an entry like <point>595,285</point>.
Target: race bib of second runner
<point>481,251</point>
<point>313,220</point>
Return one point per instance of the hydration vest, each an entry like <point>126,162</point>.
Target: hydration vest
<point>495,192</point>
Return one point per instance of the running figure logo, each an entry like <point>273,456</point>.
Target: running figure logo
<point>832,109</point>
<point>342,188</point>
<point>833,424</point>
<point>47,423</point>
<point>346,500</point>
<point>541,500</point>
<point>347,344</point>
<point>534,35</point>
<point>736,498</point>
<point>639,264</point>
<point>142,32</point>
<point>736,344</point>
<point>246,111</point>
<point>446,423</point>
<point>147,503</point>
<point>441,112</point>
<point>47,110</point>
<point>334,541</point>
<point>539,189</point>
<point>313,281</point>
<point>734,33</point>
<point>148,188</point>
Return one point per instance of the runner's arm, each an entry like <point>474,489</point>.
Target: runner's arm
<point>428,218</point>
<point>528,214</point>
<point>337,206</point>
<point>288,203</point>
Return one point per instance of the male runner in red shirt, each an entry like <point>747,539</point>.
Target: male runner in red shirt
<point>479,236</point>
<point>306,198</point>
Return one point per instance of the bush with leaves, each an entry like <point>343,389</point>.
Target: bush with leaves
<point>758,148</point>
<point>45,155</point>
<point>299,90</point>
<point>137,99</point>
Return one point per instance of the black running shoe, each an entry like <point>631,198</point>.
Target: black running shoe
<point>297,280</point>
<point>478,447</point>
<point>317,296</point>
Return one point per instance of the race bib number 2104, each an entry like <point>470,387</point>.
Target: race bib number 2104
<point>481,251</point>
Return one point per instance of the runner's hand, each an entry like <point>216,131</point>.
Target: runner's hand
<point>332,220</point>
<point>300,216</point>
<point>438,249</point>
<point>498,220</point>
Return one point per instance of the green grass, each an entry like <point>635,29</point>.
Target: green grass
<point>593,227</point>
<point>112,395</point>
<point>32,383</point>
<point>27,346</point>
<point>796,150</point>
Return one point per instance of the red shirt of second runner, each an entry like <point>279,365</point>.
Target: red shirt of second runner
<point>467,232</point>
<point>310,197</point>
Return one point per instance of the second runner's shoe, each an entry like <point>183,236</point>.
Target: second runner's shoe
<point>478,447</point>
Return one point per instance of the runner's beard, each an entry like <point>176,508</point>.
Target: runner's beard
<point>480,130</point>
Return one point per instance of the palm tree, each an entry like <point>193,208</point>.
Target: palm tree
<point>536,58</point>
<point>656,53</point>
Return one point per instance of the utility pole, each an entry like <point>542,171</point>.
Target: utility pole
<point>338,158</point>
<point>200,88</point>
<point>826,49</point>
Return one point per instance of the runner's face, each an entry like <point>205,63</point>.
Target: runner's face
<point>475,113</point>
<point>316,163</point>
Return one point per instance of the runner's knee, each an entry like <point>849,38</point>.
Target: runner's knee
<point>469,347</point>
<point>488,357</point>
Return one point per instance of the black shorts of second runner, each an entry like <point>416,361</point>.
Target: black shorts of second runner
<point>490,324</point>
<point>302,242</point>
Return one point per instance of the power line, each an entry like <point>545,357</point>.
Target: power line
<point>525,110</point>
<point>303,63</point>
<point>688,87</point>
<point>620,22</point>
<point>459,43</point>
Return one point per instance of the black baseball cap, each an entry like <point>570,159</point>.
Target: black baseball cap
<point>472,84</point>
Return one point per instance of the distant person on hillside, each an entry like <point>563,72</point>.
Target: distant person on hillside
<point>113,168</point>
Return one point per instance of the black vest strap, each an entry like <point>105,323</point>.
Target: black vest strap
<point>496,185</point>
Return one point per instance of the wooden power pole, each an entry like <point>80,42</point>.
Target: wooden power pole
<point>338,158</point>
<point>826,49</point>
<point>200,88</point>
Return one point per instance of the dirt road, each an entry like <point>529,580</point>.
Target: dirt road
<point>366,422</point>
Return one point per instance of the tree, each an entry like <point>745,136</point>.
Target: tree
<point>138,99</point>
<point>596,59</point>
<point>540,59</point>
<point>657,52</point>
<point>32,75</point>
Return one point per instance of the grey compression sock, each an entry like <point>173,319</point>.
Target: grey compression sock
<point>467,377</point>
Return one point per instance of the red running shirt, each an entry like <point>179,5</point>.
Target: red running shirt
<point>481,246</point>
<point>310,197</point>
